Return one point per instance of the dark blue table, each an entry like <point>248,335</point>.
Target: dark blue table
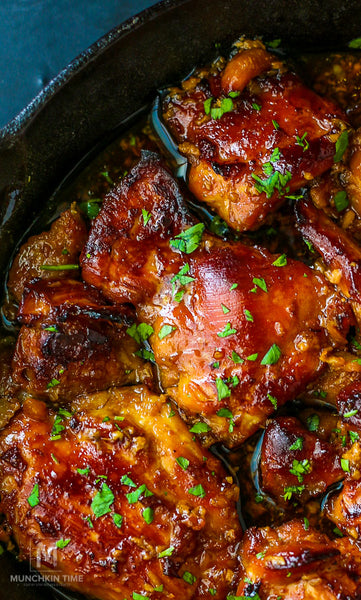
<point>38,38</point>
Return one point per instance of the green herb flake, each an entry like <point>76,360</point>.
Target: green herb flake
<point>59,267</point>
<point>313,422</point>
<point>273,400</point>
<point>272,356</point>
<point>306,523</point>
<point>345,465</point>
<point>354,436</point>
<point>165,330</point>
<point>350,413</point>
<point>252,357</point>
<point>137,596</point>
<point>62,543</point>
<point>183,462</point>
<point>141,332</point>
<point>337,532</point>
<point>148,515</point>
<point>223,390</point>
<point>53,383</point>
<point>302,141</point>
<point>260,282</point>
<point>256,106</point>
<point>341,201</point>
<point>224,412</point>
<point>281,261</point>
<point>261,555</point>
<point>182,276</point>
<point>225,309</point>
<point>275,181</point>
<point>355,43</point>
<point>234,94</point>
<point>248,315</point>
<point>233,287</point>
<point>300,468</point>
<point>52,328</point>
<point>212,591</point>
<point>215,365</point>
<point>274,43</point>
<point>159,588</point>
<point>54,459</point>
<point>236,358</point>
<point>275,124</point>
<point>189,240</point>
<point>133,497</point>
<point>189,577</point>
<point>227,331</point>
<point>84,471</point>
<point>179,295</point>
<point>207,105</point>
<point>91,208</point>
<point>102,501</point>
<point>297,444</point>
<point>292,489</point>
<point>118,520</point>
<point>146,216</point>
<point>197,490</point>
<point>340,146</point>
<point>168,552</point>
<point>33,499</point>
<point>65,251</point>
<point>200,428</point>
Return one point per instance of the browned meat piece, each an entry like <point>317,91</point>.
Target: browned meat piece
<point>119,498</point>
<point>295,463</point>
<point>252,132</point>
<point>60,246</point>
<point>341,255</point>
<point>73,342</point>
<point>296,562</point>
<point>234,333</point>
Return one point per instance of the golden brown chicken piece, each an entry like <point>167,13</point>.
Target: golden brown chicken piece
<point>252,133</point>
<point>296,562</point>
<point>59,247</point>
<point>73,342</point>
<point>295,463</point>
<point>341,254</point>
<point>117,494</point>
<point>235,331</point>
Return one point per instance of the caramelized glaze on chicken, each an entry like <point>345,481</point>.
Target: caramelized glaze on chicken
<point>253,133</point>
<point>234,331</point>
<point>119,491</point>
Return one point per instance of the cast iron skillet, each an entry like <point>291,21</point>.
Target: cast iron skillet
<point>119,75</point>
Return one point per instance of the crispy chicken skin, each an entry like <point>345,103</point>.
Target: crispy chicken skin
<point>242,333</point>
<point>252,133</point>
<point>123,495</point>
<point>296,562</point>
<point>73,342</point>
<point>296,463</point>
<point>61,245</point>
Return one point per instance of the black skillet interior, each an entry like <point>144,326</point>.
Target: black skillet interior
<point>116,77</point>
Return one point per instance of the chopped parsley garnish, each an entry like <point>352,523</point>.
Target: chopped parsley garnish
<point>62,543</point>
<point>236,358</point>
<point>224,412</point>
<point>102,501</point>
<point>179,295</point>
<point>341,201</point>
<point>148,515</point>
<point>234,94</point>
<point>313,422</point>
<point>275,180</point>
<point>107,177</point>
<point>297,444</point>
<point>260,282</point>
<point>224,106</point>
<point>197,490</point>
<point>256,106</point>
<point>183,462</point>
<point>182,277</point>
<point>90,208</point>
<point>223,390</point>
<point>133,497</point>
<point>281,261</point>
<point>159,588</point>
<point>227,331</point>
<point>345,465</point>
<point>292,489</point>
<point>200,428</point>
<point>137,596</point>
<point>33,499</point>
<point>215,365</point>
<point>300,468</point>
<point>59,267</point>
<point>233,286</point>
<point>340,146</point>
<point>53,383</point>
<point>52,328</point>
<point>54,459</point>
<point>140,332</point>
<point>261,555</point>
<point>356,43</point>
<point>212,591</point>
<point>337,532</point>
<point>165,330</point>
<point>306,523</point>
<point>350,413</point>
<point>225,309</point>
<point>275,124</point>
<point>273,400</point>
<point>301,141</point>
<point>274,43</point>
<point>58,425</point>
<point>118,520</point>
<point>125,480</point>
<point>168,552</point>
<point>272,356</point>
<point>354,436</point>
<point>84,471</point>
<point>248,315</point>
<point>252,357</point>
<point>189,240</point>
<point>145,354</point>
<point>189,577</point>
<point>146,216</point>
